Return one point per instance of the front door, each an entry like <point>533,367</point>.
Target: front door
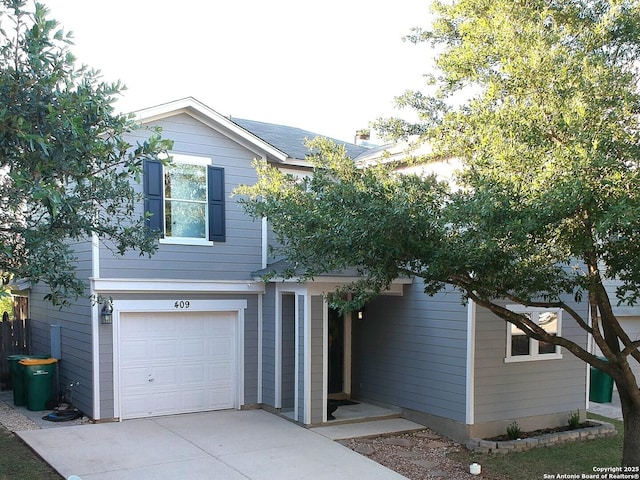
<point>336,352</point>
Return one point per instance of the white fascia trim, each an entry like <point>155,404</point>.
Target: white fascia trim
<point>210,118</point>
<point>130,285</point>
<point>471,354</point>
<point>327,285</point>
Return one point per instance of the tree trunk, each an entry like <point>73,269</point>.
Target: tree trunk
<point>631,415</point>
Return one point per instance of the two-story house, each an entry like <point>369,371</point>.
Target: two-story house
<point>195,328</point>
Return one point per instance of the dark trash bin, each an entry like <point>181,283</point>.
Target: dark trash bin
<point>601,388</point>
<point>17,377</point>
<point>39,377</point>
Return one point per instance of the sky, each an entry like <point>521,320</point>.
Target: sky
<point>328,66</point>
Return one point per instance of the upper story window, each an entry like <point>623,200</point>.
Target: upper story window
<point>186,200</point>
<point>522,348</point>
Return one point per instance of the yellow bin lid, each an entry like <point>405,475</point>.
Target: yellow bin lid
<point>37,361</point>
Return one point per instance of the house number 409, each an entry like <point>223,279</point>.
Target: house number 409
<point>182,304</point>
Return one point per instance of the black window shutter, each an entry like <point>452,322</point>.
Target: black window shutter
<point>153,187</point>
<point>216,204</point>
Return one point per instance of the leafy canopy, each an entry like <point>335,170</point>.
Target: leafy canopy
<point>65,168</point>
<point>539,101</point>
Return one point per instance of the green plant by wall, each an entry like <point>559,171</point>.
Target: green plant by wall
<point>574,420</point>
<point>6,303</point>
<point>514,431</point>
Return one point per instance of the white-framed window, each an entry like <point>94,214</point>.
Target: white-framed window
<point>185,198</point>
<point>521,348</point>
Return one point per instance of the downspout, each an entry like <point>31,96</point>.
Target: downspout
<point>95,329</point>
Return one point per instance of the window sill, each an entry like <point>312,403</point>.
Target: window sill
<point>533,358</point>
<point>186,241</point>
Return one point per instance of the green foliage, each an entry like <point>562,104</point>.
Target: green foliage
<point>66,168</point>
<point>327,221</point>
<point>513,431</point>
<point>574,420</point>
<point>6,303</point>
<point>572,458</point>
<point>539,101</point>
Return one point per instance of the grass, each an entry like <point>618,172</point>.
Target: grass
<point>569,458</point>
<point>19,462</point>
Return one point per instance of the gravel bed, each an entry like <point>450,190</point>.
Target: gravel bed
<point>418,455</point>
<point>15,421</point>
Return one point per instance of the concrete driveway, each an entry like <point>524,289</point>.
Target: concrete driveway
<point>227,445</point>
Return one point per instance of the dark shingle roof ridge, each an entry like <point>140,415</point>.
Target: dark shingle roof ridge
<point>290,140</point>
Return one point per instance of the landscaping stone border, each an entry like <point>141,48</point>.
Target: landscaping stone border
<point>597,429</point>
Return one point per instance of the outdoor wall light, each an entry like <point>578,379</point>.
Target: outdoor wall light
<point>106,314</point>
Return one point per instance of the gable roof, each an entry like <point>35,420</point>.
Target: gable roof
<point>291,140</point>
<point>214,120</point>
<point>279,143</point>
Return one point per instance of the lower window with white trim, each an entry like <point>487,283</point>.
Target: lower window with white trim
<point>521,348</point>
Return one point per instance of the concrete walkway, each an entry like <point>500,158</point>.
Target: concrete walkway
<point>612,409</point>
<point>227,445</point>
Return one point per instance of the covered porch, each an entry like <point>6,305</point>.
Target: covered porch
<point>312,356</point>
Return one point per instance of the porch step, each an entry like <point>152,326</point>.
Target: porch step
<point>367,428</point>
<point>363,419</point>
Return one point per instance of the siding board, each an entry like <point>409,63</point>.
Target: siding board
<point>523,389</point>
<point>234,259</point>
<point>410,351</point>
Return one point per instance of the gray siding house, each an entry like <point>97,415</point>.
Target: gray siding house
<point>194,328</point>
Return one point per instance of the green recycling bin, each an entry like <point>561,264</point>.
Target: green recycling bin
<point>17,377</point>
<point>601,388</point>
<point>39,377</point>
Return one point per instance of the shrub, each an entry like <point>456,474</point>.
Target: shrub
<point>574,420</point>
<point>513,431</point>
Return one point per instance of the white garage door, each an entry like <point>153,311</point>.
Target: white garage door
<point>177,363</point>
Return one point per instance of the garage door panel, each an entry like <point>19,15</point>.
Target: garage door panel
<point>220,373</point>
<point>190,358</point>
<point>134,377</point>
<point>166,348</point>
<point>194,374</point>
<point>221,346</point>
<point>194,348</point>
<point>165,375</point>
<point>136,406</point>
<point>135,350</point>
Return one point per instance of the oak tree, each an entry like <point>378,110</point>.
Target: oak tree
<point>539,101</point>
<point>65,168</point>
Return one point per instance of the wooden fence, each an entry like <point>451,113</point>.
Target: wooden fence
<point>14,338</point>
